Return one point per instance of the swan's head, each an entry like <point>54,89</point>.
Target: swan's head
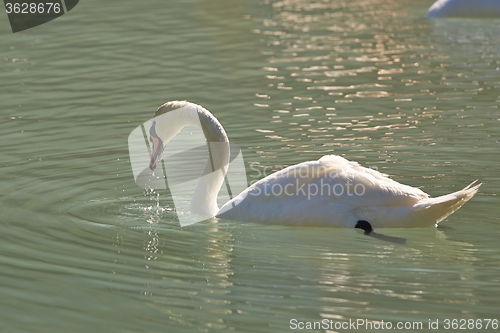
<point>171,117</point>
<point>166,124</point>
<point>174,105</point>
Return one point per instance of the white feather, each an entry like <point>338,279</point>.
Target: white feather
<point>465,8</point>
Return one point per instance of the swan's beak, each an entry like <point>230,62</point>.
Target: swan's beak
<point>157,148</point>
<point>156,152</point>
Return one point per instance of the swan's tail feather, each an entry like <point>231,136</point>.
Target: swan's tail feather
<point>437,209</point>
<point>469,186</point>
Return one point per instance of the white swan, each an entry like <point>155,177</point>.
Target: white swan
<point>331,191</point>
<point>465,8</point>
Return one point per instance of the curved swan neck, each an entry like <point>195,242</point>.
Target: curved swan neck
<point>204,200</point>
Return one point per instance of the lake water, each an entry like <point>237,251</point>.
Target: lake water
<point>84,249</point>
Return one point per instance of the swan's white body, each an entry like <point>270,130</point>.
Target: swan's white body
<point>465,8</point>
<point>329,192</point>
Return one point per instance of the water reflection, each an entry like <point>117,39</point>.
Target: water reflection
<point>319,53</point>
<point>184,268</point>
<point>352,287</point>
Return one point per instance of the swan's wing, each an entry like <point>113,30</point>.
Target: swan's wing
<point>370,187</point>
<point>333,178</point>
<point>324,192</point>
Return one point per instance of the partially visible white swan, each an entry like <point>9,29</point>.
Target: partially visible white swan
<point>465,8</point>
<point>331,191</point>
